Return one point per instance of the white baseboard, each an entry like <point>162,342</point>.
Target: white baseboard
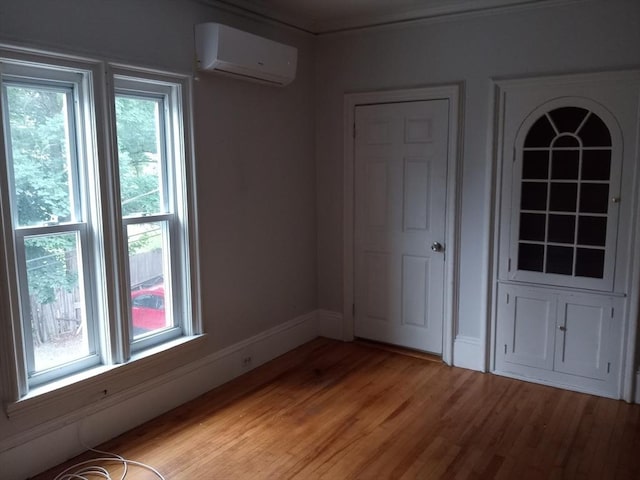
<point>637,400</point>
<point>65,438</point>
<point>330,324</point>
<point>468,353</point>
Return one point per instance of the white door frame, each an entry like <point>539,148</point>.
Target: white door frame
<point>452,215</point>
<point>630,379</point>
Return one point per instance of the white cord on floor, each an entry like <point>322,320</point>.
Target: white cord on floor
<point>89,468</point>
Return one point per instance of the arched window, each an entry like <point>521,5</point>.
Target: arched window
<point>564,195</point>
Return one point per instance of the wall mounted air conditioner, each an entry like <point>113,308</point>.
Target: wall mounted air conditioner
<point>229,51</point>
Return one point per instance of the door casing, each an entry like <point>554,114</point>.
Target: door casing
<point>452,215</point>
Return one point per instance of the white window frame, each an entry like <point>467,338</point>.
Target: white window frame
<point>174,200</point>
<point>102,230</point>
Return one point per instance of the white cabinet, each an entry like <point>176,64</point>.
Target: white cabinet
<point>562,338</point>
<point>567,173</point>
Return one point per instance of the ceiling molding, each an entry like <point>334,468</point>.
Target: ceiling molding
<point>249,9</point>
<point>432,12</point>
<point>284,13</point>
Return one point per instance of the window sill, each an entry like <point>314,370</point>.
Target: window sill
<point>101,386</point>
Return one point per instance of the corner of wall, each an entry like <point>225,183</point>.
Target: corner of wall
<point>330,324</point>
<point>468,353</point>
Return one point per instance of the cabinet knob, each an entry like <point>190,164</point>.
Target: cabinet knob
<point>562,328</point>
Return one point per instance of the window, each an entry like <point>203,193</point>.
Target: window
<point>565,190</point>
<point>97,269</point>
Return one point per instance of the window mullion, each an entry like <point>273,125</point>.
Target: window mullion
<point>116,248</point>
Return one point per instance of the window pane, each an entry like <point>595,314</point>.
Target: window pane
<point>594,133</point>
<point>41,154</point>
<point>534,196</point>
<point>58,326</point>
<point>596,164</point>
<point>563,197</point>
<point>594,198</point>
<point>590,263</point>
<point>149,278</point>
<point>140,155</point>
<point>568,119</point>
<point>562,228</point>
<point>530,257</point>
<point>565,164</point>
<point>592,230</point>
<point>532,226</point>
<point>541,134</point>
<point>560,260</point>
<point>535,165</point>
<point>566,141</point>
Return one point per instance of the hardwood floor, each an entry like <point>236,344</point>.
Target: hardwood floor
<point>344,410</point>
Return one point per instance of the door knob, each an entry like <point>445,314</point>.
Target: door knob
<point>437,247</point>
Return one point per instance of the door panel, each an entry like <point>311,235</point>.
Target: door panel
<point>415,290</point>
<point>528,320</point>
<point>583,336</point>
<point>377,279</point>
<point>400,200</point>
<point>416,194</point>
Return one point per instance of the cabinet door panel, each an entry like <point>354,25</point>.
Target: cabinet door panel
<point>583,336</point>
<point>529,321</point>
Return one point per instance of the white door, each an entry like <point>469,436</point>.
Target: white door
<point>400,199</point>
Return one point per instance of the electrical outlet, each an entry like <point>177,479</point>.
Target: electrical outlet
<point>246,361</point>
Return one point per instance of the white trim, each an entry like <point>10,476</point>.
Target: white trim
<point>632,330</point>
<point>558,384</point>
<point>468,353</point>
<point>330,324</point>
<point>452,236</point>
<point>54,441</point>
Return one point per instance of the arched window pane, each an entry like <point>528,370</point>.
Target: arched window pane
<point>568,119</point>
<point>541,134</point>
<point>595,133</point>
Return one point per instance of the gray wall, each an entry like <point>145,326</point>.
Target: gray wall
<point>254,149</point>
<point>581,36</point>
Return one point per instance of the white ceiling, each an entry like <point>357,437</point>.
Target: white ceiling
<point>322,16</point>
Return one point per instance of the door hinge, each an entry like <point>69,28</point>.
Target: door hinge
<point>608,367</point>
<point>505,348</point>
<point>507,298</point>
<point>509,266</point>
<point>612,312</point>
<point>354,129</point>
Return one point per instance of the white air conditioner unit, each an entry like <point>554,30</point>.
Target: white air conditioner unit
<point>229,51</point>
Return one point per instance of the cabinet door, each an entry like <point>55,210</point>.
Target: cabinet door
<point>585,324</point>
<point>526,326</point>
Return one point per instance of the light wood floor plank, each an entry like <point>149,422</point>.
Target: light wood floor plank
<point>332,410</point>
